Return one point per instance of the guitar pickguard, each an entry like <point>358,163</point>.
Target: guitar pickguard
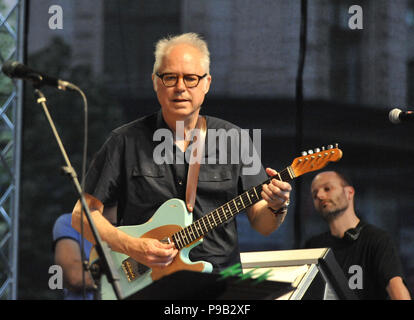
<point>170,218</point>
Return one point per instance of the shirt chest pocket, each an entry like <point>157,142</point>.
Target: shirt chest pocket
<point>147,184</point>
<point>217,186</point>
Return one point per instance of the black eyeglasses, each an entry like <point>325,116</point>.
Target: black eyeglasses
<point>171,79</point>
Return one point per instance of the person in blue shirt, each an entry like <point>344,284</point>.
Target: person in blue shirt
<point>67,254</point>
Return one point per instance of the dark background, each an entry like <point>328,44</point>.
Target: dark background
<point>352,78</point>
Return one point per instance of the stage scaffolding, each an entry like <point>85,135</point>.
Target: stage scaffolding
<point>12,20</point>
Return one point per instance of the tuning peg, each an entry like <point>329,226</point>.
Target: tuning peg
<point>323,148</point>
<point>317,150</point>
<point>304,153</point>
<point>310,151</point>
<point>330,146</point>
<point>336,145</point>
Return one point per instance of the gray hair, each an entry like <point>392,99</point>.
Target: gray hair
<point>162,47</point>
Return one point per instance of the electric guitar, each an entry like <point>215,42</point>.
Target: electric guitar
<point>173,223</point>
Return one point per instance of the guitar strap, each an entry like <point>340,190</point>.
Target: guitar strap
<point>197,151</point>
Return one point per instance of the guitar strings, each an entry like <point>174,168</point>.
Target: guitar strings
<point>189,234</point>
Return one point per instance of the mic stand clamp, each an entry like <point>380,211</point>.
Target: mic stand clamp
<point>102,248</point>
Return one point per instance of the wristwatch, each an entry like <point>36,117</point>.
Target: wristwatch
<point>279,211</point>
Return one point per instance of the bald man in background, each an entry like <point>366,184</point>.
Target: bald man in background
<point>355,243</point>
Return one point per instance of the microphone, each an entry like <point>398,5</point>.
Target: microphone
<point>15,69</point>
<point>397,116</point>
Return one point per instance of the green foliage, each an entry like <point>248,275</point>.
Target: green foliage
<point>7,48</point>
<point>45,193</point>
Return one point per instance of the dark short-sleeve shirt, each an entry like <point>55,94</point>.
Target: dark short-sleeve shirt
<point>374,251</point>
<point>127,172</point>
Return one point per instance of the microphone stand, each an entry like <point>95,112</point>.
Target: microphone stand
<point>102,248</point>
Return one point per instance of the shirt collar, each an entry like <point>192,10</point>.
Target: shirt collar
<point>161,124</point>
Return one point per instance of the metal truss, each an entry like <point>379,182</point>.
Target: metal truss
<point>12,21</point>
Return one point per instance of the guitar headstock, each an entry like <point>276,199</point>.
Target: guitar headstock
<point>316,159</point>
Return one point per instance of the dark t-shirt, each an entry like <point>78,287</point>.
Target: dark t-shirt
<point>127,173</point>
<point>373,250</point>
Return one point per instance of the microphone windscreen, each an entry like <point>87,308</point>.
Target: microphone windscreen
<point>14,69</point>
<point>394,115</point>
<point>8,68</point>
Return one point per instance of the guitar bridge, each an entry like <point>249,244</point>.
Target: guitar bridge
<point>133,269</point>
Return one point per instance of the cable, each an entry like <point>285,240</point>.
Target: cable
<point>84,161</point>
<point>299,115</point>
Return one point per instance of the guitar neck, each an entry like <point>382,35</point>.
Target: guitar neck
<point>215,218</point>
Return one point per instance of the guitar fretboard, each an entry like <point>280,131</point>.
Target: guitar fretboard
<point>215,218</point>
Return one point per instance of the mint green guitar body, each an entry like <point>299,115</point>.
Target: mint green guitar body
<point>170,218</point>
